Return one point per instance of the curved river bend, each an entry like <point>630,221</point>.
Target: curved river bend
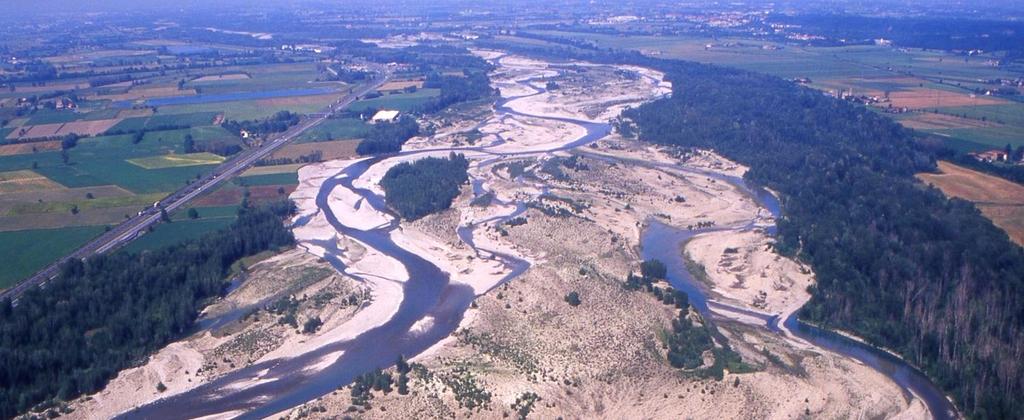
<point>283,383</point>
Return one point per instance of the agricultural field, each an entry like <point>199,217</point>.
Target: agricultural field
<point>399,85</point>
<point>400,101</point>
<point>334,149</point>
<point>182,228</point>
<point>24,181</point>
<point>256,109</point>
<point>258,78</point>
<point>112,172</point>
<point>1000,200</point>
<point>26,251</point>
<point>336,128</point>
<point>194,119</point>
<point>176,161</point>
<point>104,161</point>
<point>273,169</point>
<point>272,179</point>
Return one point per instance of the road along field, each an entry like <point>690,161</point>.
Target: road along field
<point>477,293</point>
<point>1000,200</point>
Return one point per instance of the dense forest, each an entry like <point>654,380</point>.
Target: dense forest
<point>896,262</point>
<point>425,186</point>
<point>108,312</point>
<point>387,137</point>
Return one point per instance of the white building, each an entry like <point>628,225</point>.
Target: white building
<point>385,115</point>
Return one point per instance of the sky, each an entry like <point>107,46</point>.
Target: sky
<point>85,6</point>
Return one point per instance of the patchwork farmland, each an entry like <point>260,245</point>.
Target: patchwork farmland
<point>127,154</point>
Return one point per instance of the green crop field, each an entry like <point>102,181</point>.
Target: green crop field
<point>334,129</point>
<point>181,230</point>
<point>399,101</point>
<point>193,119</point>
<point>1009,114</point>
<point>257,109</point>
<point>50,116</point>
<point>287,178</point>
<point>130,124</point>
<point>174,161</point>
<point>27,251</point>
<point>986,138</point>
<point>84,204</point>
<point>263,77</point>
<point>104,161</point>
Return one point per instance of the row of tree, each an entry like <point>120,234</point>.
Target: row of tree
<point>276,123</point>
<point>110,311</point>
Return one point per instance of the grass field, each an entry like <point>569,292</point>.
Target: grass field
<point>286,178</point>
<point>193,119</point>
<point>232,193</point>
<point>262,77</point>
<point>256,109</point>
<point>336,128</point>
<point>22,148</point>
<point>27,251</point>
<point>273,169</point>
<point>175,161</point>
<point>172,233</point>
<point>183,228</point>
<point>52,116</point>
<point>328,149</point>
<point>399,101</point>
<point>84,204</point>
<point>1000,200</point>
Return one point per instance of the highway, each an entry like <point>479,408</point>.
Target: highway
<point>130,228</point>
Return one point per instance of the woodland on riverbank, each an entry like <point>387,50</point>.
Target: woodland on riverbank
<point>107,313</point>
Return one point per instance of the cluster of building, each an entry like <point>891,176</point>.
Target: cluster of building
<point>997,155</point>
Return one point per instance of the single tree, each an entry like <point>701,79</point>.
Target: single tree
<point>573,298</point>
<point>190,144</point>
<point>193,213</point>
<point>312,325</point>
